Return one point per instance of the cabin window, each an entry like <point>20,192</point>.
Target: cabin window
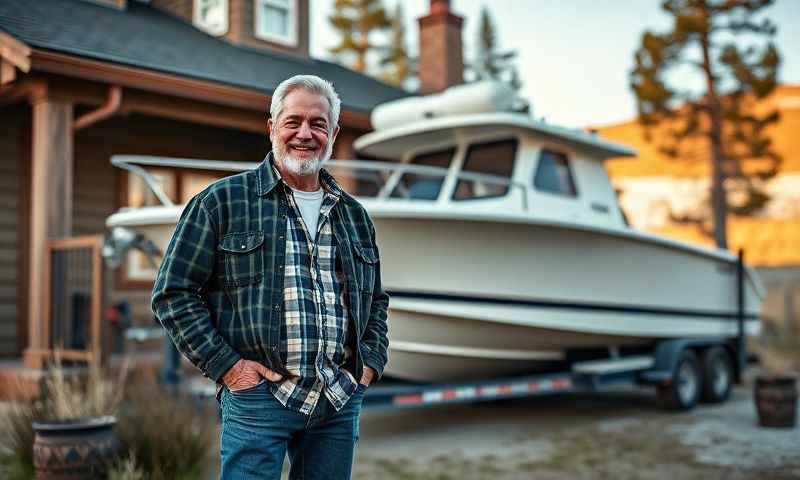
<point>553,174</point>
<point>496,161</point>
<point>276,21</point>
<point>180,185</point>
<point>424,185</point>
<point>211,16</point>
<point>140,195</point>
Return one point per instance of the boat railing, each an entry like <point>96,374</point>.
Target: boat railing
<point>133,164</point>
<point>386,176</point>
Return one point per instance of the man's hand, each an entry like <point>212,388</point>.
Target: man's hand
<point>367,376</point>
<point>247,373</point>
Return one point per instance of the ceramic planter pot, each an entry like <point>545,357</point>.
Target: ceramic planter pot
<point>74,449</point>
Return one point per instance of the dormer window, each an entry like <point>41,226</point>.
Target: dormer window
<point>211,16</point>
<point>276,21</point>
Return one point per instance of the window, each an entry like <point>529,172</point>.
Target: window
<point>424,186</point>
<point>140,195</point>
<point>276,21</point>
<point>553,174</point>
<point>180,185</point>
<point>495,159</point>
<point>211,16</point>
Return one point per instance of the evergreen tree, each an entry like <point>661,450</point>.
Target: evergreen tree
<point>489,62</point>
<point>706,39</point>
<point>397,59</point>
<point>357,20</point>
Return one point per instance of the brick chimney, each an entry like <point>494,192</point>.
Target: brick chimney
<point>441,57</point>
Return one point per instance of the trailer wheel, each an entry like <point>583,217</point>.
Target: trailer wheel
<point>683,392</point>
<point>717,375</point>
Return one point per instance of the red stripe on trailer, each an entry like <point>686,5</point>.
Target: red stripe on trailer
<point>407,399</point>
<point>504,388</point>
<point>560,383</point>
<point>533,386</point>
<point>448,394</point>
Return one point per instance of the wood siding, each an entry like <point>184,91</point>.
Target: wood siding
<point>179,8</point>
<point>11,178</point>
<point>242,21</point>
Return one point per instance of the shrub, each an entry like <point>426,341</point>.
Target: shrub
<point>16,439</point>
<point>126,469</point>
<point>163,436</point>
<point>68,395</point>
<point>169,437</point>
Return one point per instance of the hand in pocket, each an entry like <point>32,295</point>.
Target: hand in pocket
<point>246,374</point>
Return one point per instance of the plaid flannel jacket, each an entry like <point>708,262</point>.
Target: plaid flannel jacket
<point>219,290</point>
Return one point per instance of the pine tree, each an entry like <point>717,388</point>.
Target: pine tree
<point>489,62</point>
<point>706,39</point>
<point>397,59</point>
<point>357,20</point>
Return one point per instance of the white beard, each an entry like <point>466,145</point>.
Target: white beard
<point>297,166</point>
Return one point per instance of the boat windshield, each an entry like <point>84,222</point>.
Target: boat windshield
<point>367,178</point>
<point>407,181</point>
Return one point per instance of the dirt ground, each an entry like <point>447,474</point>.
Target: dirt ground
<point>615,435</point>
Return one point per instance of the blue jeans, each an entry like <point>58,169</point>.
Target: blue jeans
<point>258,431</point>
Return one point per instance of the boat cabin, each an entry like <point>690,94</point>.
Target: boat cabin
<point>502,163</point>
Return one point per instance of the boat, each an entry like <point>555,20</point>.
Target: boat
<point>502,243</point>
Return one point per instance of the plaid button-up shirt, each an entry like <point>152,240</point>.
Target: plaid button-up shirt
<point>314,330</point>
<point>219,291</point>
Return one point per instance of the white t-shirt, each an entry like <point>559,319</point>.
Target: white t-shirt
<point>309,204</point>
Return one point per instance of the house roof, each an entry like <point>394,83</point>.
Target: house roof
<point>651,162</point>
<point>145,37</point>
<point>766,242</point>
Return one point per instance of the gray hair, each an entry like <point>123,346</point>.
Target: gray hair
<point>313,84</point>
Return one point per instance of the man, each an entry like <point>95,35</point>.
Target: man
<point>271,286</point>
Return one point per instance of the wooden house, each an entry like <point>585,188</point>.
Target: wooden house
<point>83,80</point>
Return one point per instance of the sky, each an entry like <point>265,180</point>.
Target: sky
<point>574,56</point>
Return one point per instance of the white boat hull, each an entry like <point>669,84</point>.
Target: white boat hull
<point>515,295</point>
<point>477,297</point>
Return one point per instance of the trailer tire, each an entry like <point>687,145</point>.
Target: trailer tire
<point>683,392</point>
<point>717,375</point>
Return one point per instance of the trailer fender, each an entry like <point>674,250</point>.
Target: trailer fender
<point>667,354</point>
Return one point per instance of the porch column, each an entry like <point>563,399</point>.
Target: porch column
<point>51,207</point>
<point>343,150</point>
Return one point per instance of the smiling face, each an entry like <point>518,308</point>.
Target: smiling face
<point>302,137</point>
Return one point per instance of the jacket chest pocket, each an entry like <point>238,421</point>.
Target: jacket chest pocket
<point>242,258</point>
<point>366,260</point>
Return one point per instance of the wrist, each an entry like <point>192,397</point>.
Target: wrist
<point>232,372</point>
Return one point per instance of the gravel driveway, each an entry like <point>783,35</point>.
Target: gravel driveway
<point>615,435</point>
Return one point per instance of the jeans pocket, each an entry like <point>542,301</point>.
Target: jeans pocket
<point>251,389</point>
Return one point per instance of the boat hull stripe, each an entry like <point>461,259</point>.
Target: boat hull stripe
<point>601,307</point>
